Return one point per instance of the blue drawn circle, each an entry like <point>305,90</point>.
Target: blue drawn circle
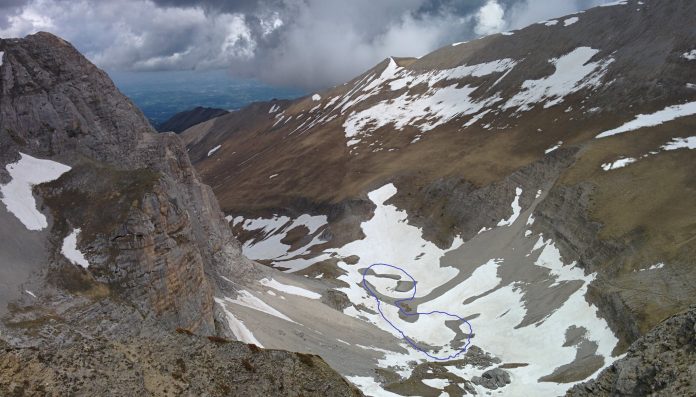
<point>396,303</point>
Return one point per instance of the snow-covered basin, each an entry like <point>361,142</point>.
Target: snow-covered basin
<point>512,285</point>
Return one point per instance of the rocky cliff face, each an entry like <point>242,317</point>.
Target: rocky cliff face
<point>127,245</point>
<point>661,363</point>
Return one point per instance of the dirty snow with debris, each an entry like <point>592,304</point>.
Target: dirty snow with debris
<point>691,55</point>
<point>17,195</point>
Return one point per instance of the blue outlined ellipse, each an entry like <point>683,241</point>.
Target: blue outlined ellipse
<point>397,302</point>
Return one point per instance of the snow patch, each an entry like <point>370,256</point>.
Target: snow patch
<point>615,3</point>
<point>516,209</point>
<point>681,143</point>
<point>246,299</point>
<point>551,149</point>
<point>213,150</point>
<point>70,251</point>
<point>650,120</point>
<point>2,56</point>
<point>656,266</point>
<point>570,21</point>
<point>551,23</point>
<point>17,195</point>
<point>574,72</point>
<point>273,109</point>
<point>436,383</point>
<point>289,289</point>
<point>316,97</point>
<point>620,163</point>
<point>240,331</point>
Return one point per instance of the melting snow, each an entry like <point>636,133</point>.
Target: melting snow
<point>500,309</point>
<point>551,149</point>
<point>570,21</point>
<point>70,251</point>
<point>437,383</point>
<point>240,331</point>
<point>574,72</point>
<point>516,209</point>
<point>681,143</point>
<point>650,120</point>
<point>246,299</point>
<point>426,111</point>
<point>370,387</point>
<point>615,3</point>
<point>289,289</point>
<point>654,267</point>
<point>17,194</point>
<point>274,230</point>
<point>620,163</point>
<point>213,150</point>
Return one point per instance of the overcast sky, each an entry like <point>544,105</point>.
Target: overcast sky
<point>304,43</point>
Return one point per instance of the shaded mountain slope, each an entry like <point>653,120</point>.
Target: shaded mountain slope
<point>188,118</point>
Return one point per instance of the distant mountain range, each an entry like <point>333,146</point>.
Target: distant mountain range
<point>161,95</point>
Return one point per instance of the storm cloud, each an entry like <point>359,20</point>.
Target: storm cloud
<point>303,43</point>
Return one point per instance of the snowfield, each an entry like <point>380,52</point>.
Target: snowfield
<point>514,287</point>
<point>17,195</point>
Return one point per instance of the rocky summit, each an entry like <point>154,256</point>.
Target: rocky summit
<point>511,216</point>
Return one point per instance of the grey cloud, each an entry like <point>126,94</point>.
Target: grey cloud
<point>307,43</point>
